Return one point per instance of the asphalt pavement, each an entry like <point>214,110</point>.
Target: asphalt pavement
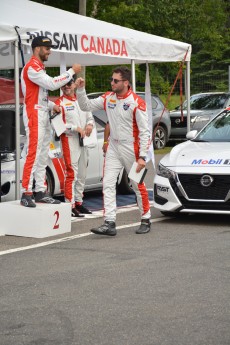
<point>168,287</point>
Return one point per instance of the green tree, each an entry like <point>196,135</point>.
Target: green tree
<point>204,24</point>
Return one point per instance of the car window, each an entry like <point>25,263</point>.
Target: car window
<point>217,130</point>
<point>215,101</point>
<point>155,101</point>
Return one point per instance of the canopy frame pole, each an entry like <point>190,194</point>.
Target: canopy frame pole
<point>188,94</point>
<point>133,75</point>
<point>17,120</point>
<point>62,67</point>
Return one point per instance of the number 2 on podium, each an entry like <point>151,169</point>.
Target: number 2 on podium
<point>56,225</point>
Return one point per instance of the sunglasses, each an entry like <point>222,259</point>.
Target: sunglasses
<point>69,83</point>
<point>115,80</point>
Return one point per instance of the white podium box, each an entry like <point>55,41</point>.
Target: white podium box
<point>44,220</point>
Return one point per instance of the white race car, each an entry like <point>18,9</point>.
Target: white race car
<point>195,176</point>
<point>55,172</point>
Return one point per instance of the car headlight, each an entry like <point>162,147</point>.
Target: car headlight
<point>165,172</point>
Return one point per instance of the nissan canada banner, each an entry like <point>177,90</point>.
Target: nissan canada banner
<point>67,43</point>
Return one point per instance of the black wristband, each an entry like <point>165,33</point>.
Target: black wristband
<point>142,157</point>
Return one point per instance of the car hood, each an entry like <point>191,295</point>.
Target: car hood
<point>198,157</point>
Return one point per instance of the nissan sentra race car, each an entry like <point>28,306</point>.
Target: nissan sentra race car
<point>195,176</point>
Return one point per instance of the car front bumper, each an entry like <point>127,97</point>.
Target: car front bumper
<point>170,196</point>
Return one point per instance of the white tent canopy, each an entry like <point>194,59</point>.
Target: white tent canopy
<point>78,39</point>
<point>85,40</point>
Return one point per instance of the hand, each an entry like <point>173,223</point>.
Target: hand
<point>76,68</point>
<point>105,146</point>
<point>140,165</point>
<point>80,82</point>
<point>81,132</point>
<point>56,109</point>
<point>88,130</point>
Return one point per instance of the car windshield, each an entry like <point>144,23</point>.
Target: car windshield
<point>212,101</point>
<point>218,130</point>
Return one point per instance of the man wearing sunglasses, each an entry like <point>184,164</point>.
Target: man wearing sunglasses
<point>78,124</point>
<point>128,143</point>
<point>35,85</point>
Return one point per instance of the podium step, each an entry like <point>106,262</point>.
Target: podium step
<point>44,220</point>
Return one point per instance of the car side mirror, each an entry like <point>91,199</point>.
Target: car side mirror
<point>191,135</point>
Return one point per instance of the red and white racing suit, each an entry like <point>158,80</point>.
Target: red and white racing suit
<point>75,156</point>
<point>35,85</point>
<point>129,139</point>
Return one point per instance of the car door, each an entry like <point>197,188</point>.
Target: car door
<point>96,158</point>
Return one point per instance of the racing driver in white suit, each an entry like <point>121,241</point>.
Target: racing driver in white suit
<point>79,124</point>
<point>35,85</point>
<point>129,142</point>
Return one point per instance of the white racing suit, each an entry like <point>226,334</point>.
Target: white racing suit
<point>129,139</point>
<point>35,85</point>
<point>75,156</point>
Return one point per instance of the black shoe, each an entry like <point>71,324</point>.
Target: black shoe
<point>108,228</point>
<point>45,198</point>
<point>82,209</point>
<point>26,200</point>
<point>144,227</point>
<point>76,213</point>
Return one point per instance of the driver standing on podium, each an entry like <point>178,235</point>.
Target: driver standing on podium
<point>35,85</point>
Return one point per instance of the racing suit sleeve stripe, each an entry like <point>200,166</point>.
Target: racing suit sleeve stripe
<point>141,118</point>
<point>59,102</point>
<point>144,133</point>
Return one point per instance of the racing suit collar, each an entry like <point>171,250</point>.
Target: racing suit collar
<point>128,93</point>
<point>71,98</point>
<point>38,62</point>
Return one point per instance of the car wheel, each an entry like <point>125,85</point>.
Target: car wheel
<point>160,138</point>
<point>49,182</point>
<point>125,185</point>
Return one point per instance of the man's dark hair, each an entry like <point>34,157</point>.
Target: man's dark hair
<point>124,72</point>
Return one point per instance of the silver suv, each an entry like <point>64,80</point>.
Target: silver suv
<point>204,106</point>
<point>164,128</point>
